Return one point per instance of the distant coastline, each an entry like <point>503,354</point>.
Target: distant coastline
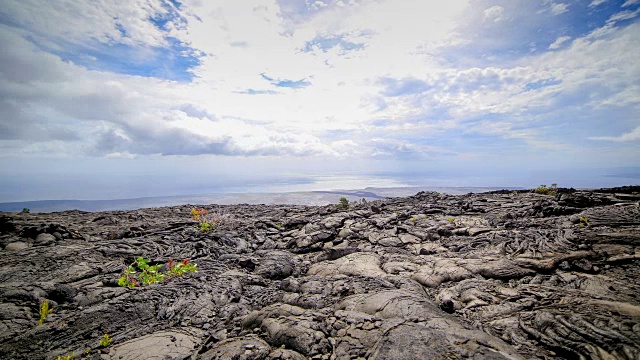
<point>271,198</point>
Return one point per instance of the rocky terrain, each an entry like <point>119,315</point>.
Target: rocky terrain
<point>486,276</point>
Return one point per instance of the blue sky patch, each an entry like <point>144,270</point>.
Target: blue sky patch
<point>160,20</point>
<point>541,84</point>
<point>294,84</point>
<point>174,61</point>
<point>257,92</point>
<point>399,87</point>
<point>326,43</point>
<point>171,63</point>
<point>531,26</point>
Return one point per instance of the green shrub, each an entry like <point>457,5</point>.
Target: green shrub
<point>544,190</point>
<point>181,268</point>
<point>25,210</point>
<point>67,357</point>
<point>204,223</point>
<point>205,226</point>
<point>200,215</point>
<point>149,274</point>
<point>141,273</point>
<point>344,204</point>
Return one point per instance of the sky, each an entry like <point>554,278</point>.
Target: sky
<point>115,99</point>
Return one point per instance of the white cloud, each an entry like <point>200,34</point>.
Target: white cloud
<point>559,8</point>
<point>595,3</point>
<point>623,15</point>
<point>633,135</point>
<point>387,147</point>
<point>340,81</point>
<point>105,113</point>
<point>559,41</point>
<point>630,2</point>
<point>494,13</point>
<point>586,67</point>
<point>318,4</point>
<point>582,79</point>
<point>602,32</point>
<point>80,22</point>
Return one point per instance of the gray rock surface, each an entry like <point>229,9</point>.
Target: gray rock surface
<point>432,276</point>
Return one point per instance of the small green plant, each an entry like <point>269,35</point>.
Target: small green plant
<point>44,312</point>
<point>181,268</point>
<point>344,204</point>
<point>204,223</point>
<point>205,226</point>
<point>106,340</point>
<point>67,357</point>
<point>148,274</point>
<point>413,219</point>
<point>544,190</point>
<point>278,226</point>
<point>584,221</point>
<point>451,220</point>
<point>141,273</point>
<point>25,210</point>
<point>200,215</point>
<point>515,192</point>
